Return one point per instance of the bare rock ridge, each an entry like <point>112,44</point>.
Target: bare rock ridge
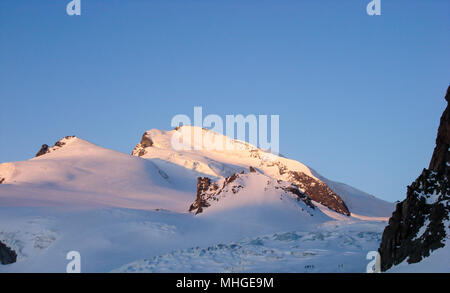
<point>139,149</point>
<point>45,149</point>
<point>315,189</point>
<point>203,185</point>
<point>418,224</point>
<point>7,255</point>
<point>441,154</point>
<point>319,192</point>
<point>208,191</point>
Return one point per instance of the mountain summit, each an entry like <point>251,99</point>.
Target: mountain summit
<point>215,164</point>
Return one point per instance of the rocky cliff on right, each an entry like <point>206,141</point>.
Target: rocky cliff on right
<point>420,223</point>
<point>7,255</point>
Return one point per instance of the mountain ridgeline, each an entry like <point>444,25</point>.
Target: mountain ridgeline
<point>420,223</point>
<point>209,192</point>
<point>196,179</point>
<point>153,145</point>
<point>45,149</point>
<point>287,216</point>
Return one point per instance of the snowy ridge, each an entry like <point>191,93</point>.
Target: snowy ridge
<point>45,149</point>
<point>83,174</point>
<point>249,189</point>
<point>234,157</point>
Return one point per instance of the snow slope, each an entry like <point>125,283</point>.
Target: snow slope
<point>359,202</point>
<point>260,201</point>
<point>332,248</point>
<point>203,158</point>
<point>83,174</point>
<point>160,241</point>
<point>118,209</point>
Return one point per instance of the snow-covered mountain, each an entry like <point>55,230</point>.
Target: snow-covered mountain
<point>236,156</point>
<point>78,173</point>
<point>248,190</point>
<point>116,209</point>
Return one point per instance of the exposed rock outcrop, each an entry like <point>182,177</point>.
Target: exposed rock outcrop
<point>319,192</point>
<point>139,149</point>
<point>45,149</point>
<point>7,255</point>
<point>315,189</point>
<point>63,141</point>
<point>419,223</point>
<point>441,155</point>
<point>203,185</point>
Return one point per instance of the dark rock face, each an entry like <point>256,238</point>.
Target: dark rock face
<point>300,195</point>
<point>60,143</point>
<point>319,192</point>
<point>417,226</point>
<point>2,180</point>
<point>7,255</point>
<point>441,155</point>
<point>146,141</point>
<point>139,149</point>
<point>203,184</point>
<point>42,151</point>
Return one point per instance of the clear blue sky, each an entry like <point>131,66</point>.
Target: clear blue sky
<point>359,97</point>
